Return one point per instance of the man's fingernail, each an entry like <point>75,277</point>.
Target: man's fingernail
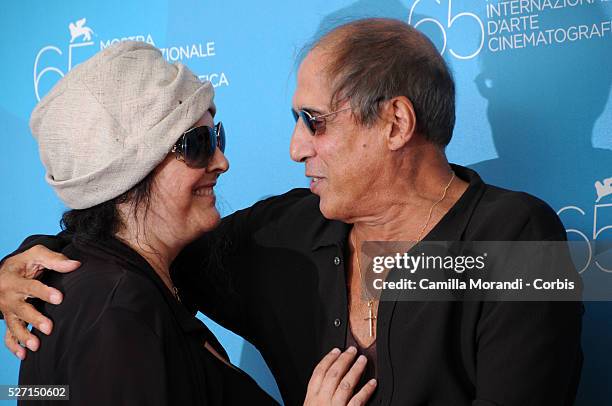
<point>45,328</point>
<point>335,351</point>
<point>20,355</point>
<point>362,359</point>
<point>372,382</point>
<point>31,344</point>
<point>352,350</point>
<point>55,298</point>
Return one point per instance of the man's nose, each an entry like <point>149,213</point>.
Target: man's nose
<point>301,146</point>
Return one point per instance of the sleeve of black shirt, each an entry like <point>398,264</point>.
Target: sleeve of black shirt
<point>207,272</point>
<point>210,272</point>
<point>529,353</point>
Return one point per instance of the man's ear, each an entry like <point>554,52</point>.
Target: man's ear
<point>399,112</point>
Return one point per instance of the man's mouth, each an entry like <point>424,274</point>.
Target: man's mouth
<point>316,183</point>
<point>313,177</point>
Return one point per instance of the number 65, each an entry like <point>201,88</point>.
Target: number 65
<point>38,75</point>
<point>449,23</point>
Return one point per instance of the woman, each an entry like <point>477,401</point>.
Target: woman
<point>129,144</point>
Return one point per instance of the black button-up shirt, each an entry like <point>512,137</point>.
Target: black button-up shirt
<point>275,274</point>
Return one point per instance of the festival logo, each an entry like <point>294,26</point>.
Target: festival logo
<point>82,46</point>
<point>448,21</point>
<point>603,189</point>
<point>501,25</point>
<point>77,30</point>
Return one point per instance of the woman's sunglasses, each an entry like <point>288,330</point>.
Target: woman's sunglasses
<point>197,146</point>
<point>315,124</point>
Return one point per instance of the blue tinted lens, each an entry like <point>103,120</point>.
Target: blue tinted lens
<point>199,146</point>
<point>306,118</point>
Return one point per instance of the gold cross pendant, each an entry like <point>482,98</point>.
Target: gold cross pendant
<point>371,317</point>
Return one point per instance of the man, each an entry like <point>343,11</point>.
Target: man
<point>374,109</point>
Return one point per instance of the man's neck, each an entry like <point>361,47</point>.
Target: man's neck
<point>403,214</point>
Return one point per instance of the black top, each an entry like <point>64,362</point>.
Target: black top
<point>287,264</point>
<point>289,298</point>
<point>121,338</point>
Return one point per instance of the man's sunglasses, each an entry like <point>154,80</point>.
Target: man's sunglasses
<point>315,124</point>
<point>197,146</point>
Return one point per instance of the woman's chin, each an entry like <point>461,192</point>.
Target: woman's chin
<point>210,220</point>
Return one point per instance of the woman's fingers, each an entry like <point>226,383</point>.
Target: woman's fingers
<point>349,382</point>
<point>335,378</point>
<point>336,372</point>
<point>320,370</point>
<point>364,394</point>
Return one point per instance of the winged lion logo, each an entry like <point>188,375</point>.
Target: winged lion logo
<point>603,188</point>
<point>79,29</point>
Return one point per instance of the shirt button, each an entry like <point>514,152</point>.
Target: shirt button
<point>337,322</point>
<point>336,260</point>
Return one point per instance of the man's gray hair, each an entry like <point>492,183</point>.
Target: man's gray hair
<point>373,60</point>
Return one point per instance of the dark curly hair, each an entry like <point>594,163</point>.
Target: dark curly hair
<point>103,221</point>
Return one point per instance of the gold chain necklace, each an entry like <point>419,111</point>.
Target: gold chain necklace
<point>371,315</point>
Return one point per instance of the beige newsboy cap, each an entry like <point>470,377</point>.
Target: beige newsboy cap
<point>111,120</point>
